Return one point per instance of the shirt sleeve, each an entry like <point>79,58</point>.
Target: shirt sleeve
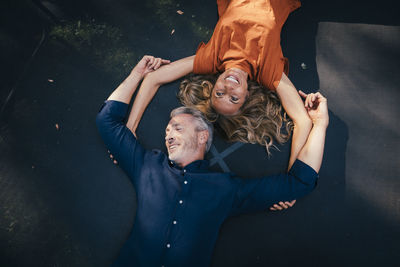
<point>261,193</point>
<point>119,140</point>
<point>204,59</point>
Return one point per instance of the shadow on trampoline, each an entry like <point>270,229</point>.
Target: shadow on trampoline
<point>63,202</point>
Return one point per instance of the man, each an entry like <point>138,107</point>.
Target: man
<point>181,205</point>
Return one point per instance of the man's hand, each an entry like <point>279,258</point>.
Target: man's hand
<point>317,107</point>
<point>282,205</point>
<point>148,64</point>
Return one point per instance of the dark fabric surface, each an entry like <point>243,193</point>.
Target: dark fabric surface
<point>64,203</point>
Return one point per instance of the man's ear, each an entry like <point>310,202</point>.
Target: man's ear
<point>202,137</point>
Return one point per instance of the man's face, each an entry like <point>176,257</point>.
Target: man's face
<point>181,138</point>
<point>229,92</point>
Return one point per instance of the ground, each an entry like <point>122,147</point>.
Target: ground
<point>63,202</point>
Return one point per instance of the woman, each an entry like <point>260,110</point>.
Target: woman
<point>243,53</point>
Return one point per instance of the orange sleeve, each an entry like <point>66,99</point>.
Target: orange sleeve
<point>278,74</point>
<point>203,61</point>
<point>222,5</point>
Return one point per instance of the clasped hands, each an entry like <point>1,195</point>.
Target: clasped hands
<point>148,64</point>
<point>317,108</point>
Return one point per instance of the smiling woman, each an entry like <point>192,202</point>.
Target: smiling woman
<point>245,55</point>
<point>230,91</point>
<point>241,81</point>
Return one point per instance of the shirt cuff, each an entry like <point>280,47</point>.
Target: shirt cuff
<point>304,172</point>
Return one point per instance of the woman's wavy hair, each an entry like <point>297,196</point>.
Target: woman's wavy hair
<point>260,120</point>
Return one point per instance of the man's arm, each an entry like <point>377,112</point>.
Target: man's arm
<point>152,82</point>
<point>257,194</point>
<point>294,107</point>
<point>119,140</point>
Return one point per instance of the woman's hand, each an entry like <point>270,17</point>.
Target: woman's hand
<point>148,64</point>
<point>317,107</point>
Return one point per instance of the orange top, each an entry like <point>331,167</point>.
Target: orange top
<point>247,36</point>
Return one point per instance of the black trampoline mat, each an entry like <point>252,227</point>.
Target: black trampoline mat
<point>64,203</point>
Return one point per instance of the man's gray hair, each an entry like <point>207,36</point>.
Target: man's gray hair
<point>201,121</point>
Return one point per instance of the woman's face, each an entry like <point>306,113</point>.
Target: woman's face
<point>230,91</point>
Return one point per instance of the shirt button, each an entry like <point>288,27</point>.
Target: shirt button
<point>174,222</point>
<point>185,182</point>
<point>180,201</point>
<point>168,245</point>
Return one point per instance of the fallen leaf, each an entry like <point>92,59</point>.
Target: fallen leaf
<point>172,32</point>
<point>180,12</point>
<point>57,126</point>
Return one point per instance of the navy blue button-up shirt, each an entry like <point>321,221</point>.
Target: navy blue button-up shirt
<point>180,211</point>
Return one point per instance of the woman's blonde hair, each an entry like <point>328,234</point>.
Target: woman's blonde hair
<point>260,120</point>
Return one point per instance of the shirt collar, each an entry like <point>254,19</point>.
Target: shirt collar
<point>195,166</point>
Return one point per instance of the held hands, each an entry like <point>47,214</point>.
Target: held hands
<point>148,64</point>
<point>317,107</point>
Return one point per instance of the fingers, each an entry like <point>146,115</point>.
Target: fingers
<point>276,207</point>
<point>147,59</point>
<point>312,99</point>
<point>155,63</point>
<point>308,99</point>
<point>302,94</point>
<point>158,63</point>
<point>320,97</point>
<point>151,62</point>
<point>308,103</point>
<point>282,205</point>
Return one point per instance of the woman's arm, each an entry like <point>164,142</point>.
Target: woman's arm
<point>294,107</point>
<point>151,83</point>
<point>313,151</point>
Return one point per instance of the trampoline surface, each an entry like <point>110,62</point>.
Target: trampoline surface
<point>64,203</point>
